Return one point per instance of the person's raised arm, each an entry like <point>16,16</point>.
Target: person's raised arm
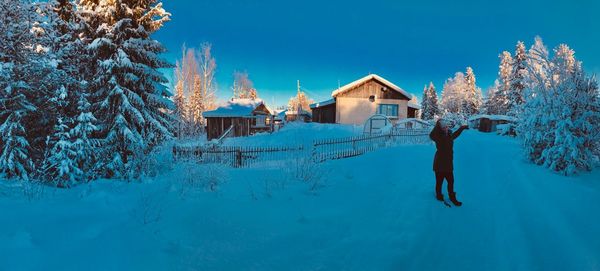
<point>459,131</point>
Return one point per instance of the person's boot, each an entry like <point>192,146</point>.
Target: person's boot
<point>454,200</point>
<point>439,196</point>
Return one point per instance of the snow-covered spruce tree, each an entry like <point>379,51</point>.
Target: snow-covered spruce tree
<point>429,104</point>
<point>473,97</point>
<point>560,120</point>
<point>517,80</point>
<point>28,75</point>
<point>69,152</point>
<point>494,103</point>
<point>425,103</point>
<point>499,101</point>
<point>128,96</point>
<point>59,165</point>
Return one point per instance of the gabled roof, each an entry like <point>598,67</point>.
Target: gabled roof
<point>367,78</point>
<point>323,103</point>
<point>414,105</point>
<point>235,108</point>
<point>295,112</point>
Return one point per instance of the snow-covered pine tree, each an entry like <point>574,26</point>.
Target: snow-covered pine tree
<point>425,103</point>
<point>129,97</point>
<point>28,75</point>
<point>84,143</point>
<point>472,96</point>
<point>69,148</point>
<point>429,104</point>
<point>494,105</point>
<point>500,100</point>
<point>59,165</point>
<point>517,80</point>
<point>453,94</point>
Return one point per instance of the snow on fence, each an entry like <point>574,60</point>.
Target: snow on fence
<point>337,148</point>
<point>234,156</point>
<point>321,149</point>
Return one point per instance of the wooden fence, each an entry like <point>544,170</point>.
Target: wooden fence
<point>320,150</point>
<point>234,156</point>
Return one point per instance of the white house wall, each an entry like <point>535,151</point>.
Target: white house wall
<point>358,110</point>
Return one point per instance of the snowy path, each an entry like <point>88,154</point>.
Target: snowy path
<point>377,212</point>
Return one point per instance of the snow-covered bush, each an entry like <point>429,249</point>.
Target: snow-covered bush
<point>303,168</point>
<point>560,124</point>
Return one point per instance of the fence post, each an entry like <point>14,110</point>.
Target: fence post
<point>238,157</point>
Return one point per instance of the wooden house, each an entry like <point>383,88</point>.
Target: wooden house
<point>356,102</point>
<point>238,117</point>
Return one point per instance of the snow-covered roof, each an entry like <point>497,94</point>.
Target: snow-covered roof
<point>323,103</point>
<point>493,117</point>
<point>295,112</point>
<point>414,105</point>
<point>402,121</point>
<point>367,78</point>
<point>234,108</point>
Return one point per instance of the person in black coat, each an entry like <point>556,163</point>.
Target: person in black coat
<point>443,160</point>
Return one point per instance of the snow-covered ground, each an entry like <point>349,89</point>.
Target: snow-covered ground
<point>372,212</point>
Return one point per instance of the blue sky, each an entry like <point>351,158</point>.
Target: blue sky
<point>408,42</point>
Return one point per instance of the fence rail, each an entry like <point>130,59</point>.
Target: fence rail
<point>320,150</point>
<point>233,156</point>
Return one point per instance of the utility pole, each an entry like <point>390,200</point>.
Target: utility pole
<point>298,98</point>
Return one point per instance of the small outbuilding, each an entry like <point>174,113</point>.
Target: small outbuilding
<point>489,123</point>
<point>238,117</point>
<point>294,115</point>
<point>323,112</point>
<point>412,110</point>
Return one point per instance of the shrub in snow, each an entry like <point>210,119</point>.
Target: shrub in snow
<point>303,168</point>
<point>202,177</point>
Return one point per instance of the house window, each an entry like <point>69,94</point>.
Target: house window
<point>389,110</point>
<point>260,121</point>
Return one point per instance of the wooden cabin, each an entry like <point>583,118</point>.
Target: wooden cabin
<point>238,117</point>
<point>413,110</point>
<point>323,112</point>
<point>356,102</point>
<point>303,116</point>
<point>489,123</point>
